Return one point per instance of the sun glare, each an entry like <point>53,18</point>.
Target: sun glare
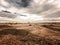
<point>29,17</point>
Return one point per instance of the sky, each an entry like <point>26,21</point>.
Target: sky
<point>33,9</point>
<point>18,6</point>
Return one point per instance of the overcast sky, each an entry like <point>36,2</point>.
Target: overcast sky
<point>29,6</point>
<point>45,8</point>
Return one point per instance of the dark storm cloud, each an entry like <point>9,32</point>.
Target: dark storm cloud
<point>19,3</point>
<point>24,3</point>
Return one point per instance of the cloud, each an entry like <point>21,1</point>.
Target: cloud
<point>19,3</point>
<point>29,6</point>
<point>43,8</point>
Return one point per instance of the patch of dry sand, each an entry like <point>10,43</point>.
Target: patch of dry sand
<point>29,34</point>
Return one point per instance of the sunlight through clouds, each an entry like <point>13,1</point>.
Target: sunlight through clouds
<point>36,11</point>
